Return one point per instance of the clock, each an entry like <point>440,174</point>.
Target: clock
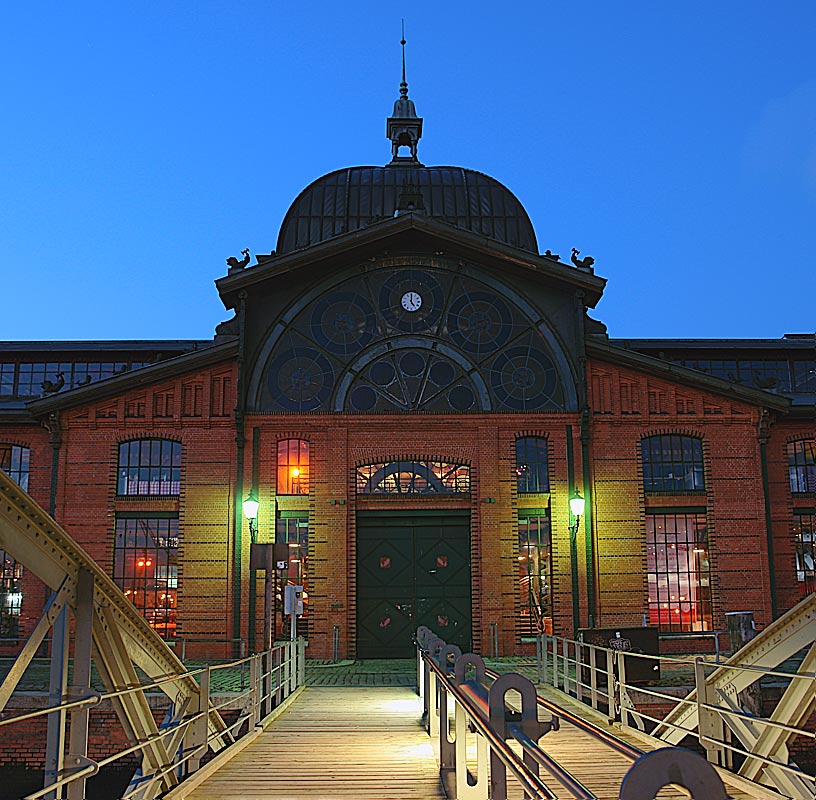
<point>411,301</point>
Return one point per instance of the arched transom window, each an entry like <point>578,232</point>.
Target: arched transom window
<point>413,477</point>
<point>149,467</point>
<point>408,339</point>
<point>672,464</point>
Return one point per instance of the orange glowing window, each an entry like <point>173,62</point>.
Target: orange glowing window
<point>293,467</point>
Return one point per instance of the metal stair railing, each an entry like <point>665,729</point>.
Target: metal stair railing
<point>480,707</point>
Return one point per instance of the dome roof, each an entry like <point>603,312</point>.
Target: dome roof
<point>349,199</point>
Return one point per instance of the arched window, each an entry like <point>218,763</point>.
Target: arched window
<point>672,464</point>
<point>532,467</point>
<point>802,465</point>
<point>149,467</point>
<point>413,477</point>
<point>293,466</point>
<point>15,462</point>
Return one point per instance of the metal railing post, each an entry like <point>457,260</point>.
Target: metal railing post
<point>593,676</point>
<point>55,737</point>
<point>709,723</point>
<point>579,677</point>
<point>612,705</point>
<point>622,694</point>
<point>565,664</point>
<point>81,681</point>
<point>255,688</point>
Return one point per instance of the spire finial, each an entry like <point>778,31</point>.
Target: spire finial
<point>404,127</point>
<point>404,84</point>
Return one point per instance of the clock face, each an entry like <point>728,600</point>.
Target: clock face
<point>411,301</point>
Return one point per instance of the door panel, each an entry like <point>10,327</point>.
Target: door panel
<point>412,569</point>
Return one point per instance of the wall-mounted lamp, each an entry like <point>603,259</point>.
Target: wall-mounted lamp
<point>251,511</point>
<point>577,510</point>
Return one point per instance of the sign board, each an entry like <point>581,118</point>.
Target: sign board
<point>293,599</point>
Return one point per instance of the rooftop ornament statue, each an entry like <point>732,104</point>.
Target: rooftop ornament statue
<point>582,263</point>
<point>50,387</point>
<point>234,263</point>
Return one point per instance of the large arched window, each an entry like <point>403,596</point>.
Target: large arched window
<point>293,466</point>
<point>149,467</point>
<point>802,465</point>
<point>532,465</point>
<point>406,339</point>
<point>413,477</point>
<point>672,464</point>
<point>15,461</point>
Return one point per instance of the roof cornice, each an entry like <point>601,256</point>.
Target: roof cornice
<point>629,358</point>
<point>385,230</point>
<point>144,376</point>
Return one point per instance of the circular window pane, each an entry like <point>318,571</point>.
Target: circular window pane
<point>382,373</point>
<point>412,364</point>
<point>363,398</point>
<point>461,398</point>
<point>442,373</point>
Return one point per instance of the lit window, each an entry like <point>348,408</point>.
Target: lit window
<point>15,461</point>
<point>413,477</point>
<point>802,465</point>
<point>149,467</point>
<point>672,464</point>
<point>145,566</point>
<point>293,466</point>
<point>804,536</point>
<point>532,467</point>
<point>11,596</point>
<point>679,571</point>
<point>535,573</point>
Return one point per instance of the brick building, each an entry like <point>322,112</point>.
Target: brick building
<point>414,394</point>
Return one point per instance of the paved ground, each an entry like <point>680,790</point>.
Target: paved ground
<point>374,672</point>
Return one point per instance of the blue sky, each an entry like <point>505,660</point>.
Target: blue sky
<point>143,143</point>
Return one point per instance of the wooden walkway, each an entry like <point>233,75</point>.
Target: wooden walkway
<point>360,743</point>
<point>367,743</point>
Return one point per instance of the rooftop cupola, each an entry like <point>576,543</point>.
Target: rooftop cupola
<point>404,127</point>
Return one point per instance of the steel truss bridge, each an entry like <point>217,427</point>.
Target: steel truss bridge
<point>579,732</point>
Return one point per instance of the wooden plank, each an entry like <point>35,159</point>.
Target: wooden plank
<point>335,742</point>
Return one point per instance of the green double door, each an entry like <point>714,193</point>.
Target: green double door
<point>412,569</point>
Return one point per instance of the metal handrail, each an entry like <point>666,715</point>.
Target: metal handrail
<point>617,688</point>
<point>496,722</point>
<point>283,673</point>
<point>616,743</point>
<point>529,781</point>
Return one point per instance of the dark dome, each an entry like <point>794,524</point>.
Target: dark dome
<point>350,199</point>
